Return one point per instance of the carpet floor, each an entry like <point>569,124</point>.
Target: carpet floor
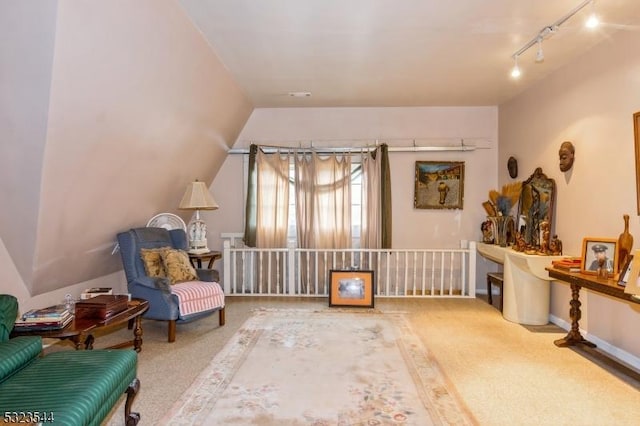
<point>506,374</point>
<point>321,367</point>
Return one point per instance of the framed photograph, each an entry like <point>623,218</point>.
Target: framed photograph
<point>636,136</point>
<point>439,185</point>
<point>625,272</point>
<point>599,253</point>
<point>632,285</point>
<point>351,288</point>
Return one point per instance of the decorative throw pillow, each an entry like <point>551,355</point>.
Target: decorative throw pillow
<point>152,261</point>
<point>177,266</point>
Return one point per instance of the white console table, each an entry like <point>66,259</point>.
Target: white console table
<point>526,288</point>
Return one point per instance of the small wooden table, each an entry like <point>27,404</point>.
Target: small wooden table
<point>576,281</point>
<point>80,331</point>
<point>212,256</point>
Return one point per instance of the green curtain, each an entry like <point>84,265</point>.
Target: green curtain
<point>250,223</point>
<point>385,197</point>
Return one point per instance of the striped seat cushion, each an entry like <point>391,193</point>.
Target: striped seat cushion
<point>75,387</point>
<point>198,296</point>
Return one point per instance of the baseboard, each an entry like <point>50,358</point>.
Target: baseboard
<point>604,346</point>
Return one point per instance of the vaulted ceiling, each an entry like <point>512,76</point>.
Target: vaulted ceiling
<point>110,108</point>
<point>395,53</point>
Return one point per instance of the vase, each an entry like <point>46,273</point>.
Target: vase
<point>625,244</point>
<point>503,227</point>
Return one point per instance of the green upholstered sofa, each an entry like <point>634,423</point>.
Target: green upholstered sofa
<point>65,387</point>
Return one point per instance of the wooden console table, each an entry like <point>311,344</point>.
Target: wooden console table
<point>576,281</point>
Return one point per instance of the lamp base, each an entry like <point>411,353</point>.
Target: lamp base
<point>197,236</point>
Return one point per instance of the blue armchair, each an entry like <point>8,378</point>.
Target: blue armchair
<point>197,298</point>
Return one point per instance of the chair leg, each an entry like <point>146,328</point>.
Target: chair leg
<point>172,331</point>
<point>221,318</point>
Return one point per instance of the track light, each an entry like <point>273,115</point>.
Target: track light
<point>515,71</point>
<point>540,54</point>
<point>548,31</point>
<point>593,21</point>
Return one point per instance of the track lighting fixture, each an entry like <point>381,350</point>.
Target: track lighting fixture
<point>549,31</point>
<point>592,21</point>
<point>515,71</point>
<point>540,53</point>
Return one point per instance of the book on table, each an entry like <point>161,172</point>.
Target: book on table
<point>54,312</point>
<point>95,291</point>
<point>44,325</point>
<point>571,264</point>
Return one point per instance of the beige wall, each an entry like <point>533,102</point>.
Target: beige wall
<point>589,102</point>
<point>131,105</point>
<point>412,228</point>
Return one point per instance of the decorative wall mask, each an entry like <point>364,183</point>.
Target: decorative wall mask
<point>512,166</point>
<point>566,154</point>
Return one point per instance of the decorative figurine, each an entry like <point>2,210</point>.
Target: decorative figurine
<point>566,153</point>
<point>520,244</point>
<point>555,246</point>
<point>625,244</point>
<point>544,240</point>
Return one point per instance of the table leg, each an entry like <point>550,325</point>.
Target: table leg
<point>88,342</point>
<point>137,334</point>
<point>574,337</point>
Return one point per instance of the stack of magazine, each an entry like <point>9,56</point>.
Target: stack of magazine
<point>52,318</point>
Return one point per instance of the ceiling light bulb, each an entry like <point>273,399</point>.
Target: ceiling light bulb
<point>515,71</point>
<point>540,54</point>
<point>593,20</point>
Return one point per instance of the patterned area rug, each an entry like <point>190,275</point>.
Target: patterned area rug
<point>328,367</point>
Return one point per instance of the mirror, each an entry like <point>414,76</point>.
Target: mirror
<point>536,206</point>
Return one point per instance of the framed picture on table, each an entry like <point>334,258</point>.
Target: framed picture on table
<point>599,253</point>
<point>625,272</point>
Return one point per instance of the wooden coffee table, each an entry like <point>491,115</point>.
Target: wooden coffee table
<point>81,331</point>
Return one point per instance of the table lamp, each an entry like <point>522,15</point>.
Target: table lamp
<point>197,197</point>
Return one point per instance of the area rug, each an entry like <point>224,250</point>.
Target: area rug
<point>327,367</point>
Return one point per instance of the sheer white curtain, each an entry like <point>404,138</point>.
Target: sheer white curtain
<point>272,215</point>
<point>371,220</point>
<point>323,201</point>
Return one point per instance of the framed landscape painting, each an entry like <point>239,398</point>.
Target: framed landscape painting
<point>351,288</point>
<point>439,185</point>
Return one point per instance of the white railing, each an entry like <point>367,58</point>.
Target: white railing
<point>305,272</point>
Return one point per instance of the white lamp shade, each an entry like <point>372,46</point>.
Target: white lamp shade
<point>197,196</point>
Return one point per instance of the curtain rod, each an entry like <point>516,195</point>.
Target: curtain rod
<point>330,150</point>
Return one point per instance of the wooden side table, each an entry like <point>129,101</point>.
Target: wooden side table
<point>212,256</point>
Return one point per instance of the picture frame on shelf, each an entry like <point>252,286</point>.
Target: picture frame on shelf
<point>439,185</point>
<point>632,286</point>
<point>599,252</point>
<point>353,288</point>
<point>625,272</point>
<point>636,136</point>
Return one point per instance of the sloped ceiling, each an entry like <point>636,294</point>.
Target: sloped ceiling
<point>396,53</point>
<point>133,106</point>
